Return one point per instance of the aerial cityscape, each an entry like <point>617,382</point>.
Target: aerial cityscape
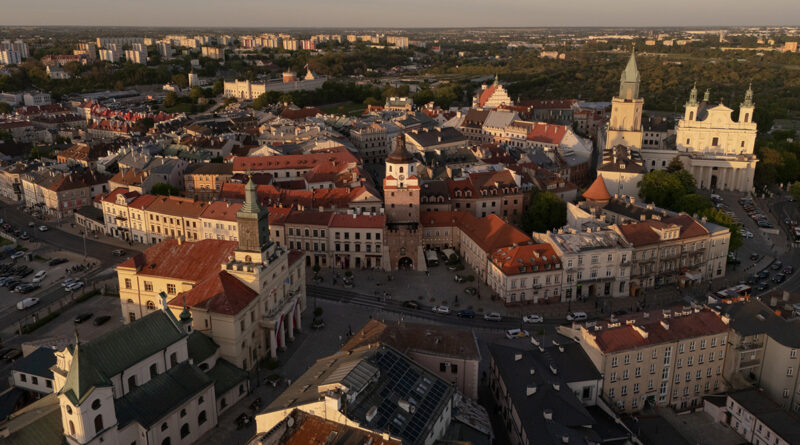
<point>347,226</point>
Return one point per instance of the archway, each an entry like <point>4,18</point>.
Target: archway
<point>405,263</point>
<point>713,184</point>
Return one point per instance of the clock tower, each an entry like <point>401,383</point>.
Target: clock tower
<point>625,125</point>
<point>253,222</point>
<point>401,185</point>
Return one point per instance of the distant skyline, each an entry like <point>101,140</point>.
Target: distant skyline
<point>407,14</point>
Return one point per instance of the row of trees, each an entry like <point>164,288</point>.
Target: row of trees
<point>779,158</point>
<point>675,189</point>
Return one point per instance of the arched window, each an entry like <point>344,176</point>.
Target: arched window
<point>69,409</point>
<point>307,232</point>
<point>150,305</point>
<point>184,430</point>
<point>71,428</point>
<point>153,371</point>
<point>747,117</point>
<point>131,382</point>
<point>130,301</point>
<point>201,419</point>
<point>96,404</point>
<point>401,169</point>
<point>691,115</point>
<point>98,423</point>
<point>166,441</point>
<point>164,426</point>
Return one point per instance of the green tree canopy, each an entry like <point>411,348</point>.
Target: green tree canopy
<point>546,211</point>
<point>170,100</point>
<point>718,216</point>
<point>164,190</point>
<point>662,188</point>
<point>218,88</point>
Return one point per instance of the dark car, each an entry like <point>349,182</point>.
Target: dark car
<point>754,257</point>
<point>411,304</point>
<point>763,274</point>
<point>471,291</point>
<point>763,286</point>
<point>779,278</point>
<point>57,261</point>
<point>101,320</point>
<point>118,252</point>
<point>83,317</point>
<point>466,313</point>
<point>776,265</point>
<point>752,280</point>
<point>13,354</point>
<point>318,323</point>
<point>788,270</point>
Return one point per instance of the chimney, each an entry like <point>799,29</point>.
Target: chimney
<point>531,390</point>
<point>664,324</point>
<point>556,387</point>
<point>517,357</point>
<point>548,414</point>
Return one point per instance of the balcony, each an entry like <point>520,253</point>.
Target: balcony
<point>750,346</point>
<point>749,363</point>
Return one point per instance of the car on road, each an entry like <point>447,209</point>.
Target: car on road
<point>776,265</point>
<point>788,270</point>
<point>68,281</point>
<point>43,228</point>
<point>39,276</point>
<point>31,224</point>
<point>493,316</point>
<point>779,278</point>
<point>516,333</point>
<point>754,257</point>
<point>101,320</point>
<point>26,303</point>
<point>458,278</point>
<point>74,286</point>
<point>24,236</point>
<point>577,316</point>
<point>763,274</point>
<point>57,261</point>
<point>762,286</point>
<point>411,304</point>
<point>13,354</point>
<point>532,318</point>
<point>466,313</point>
<point>118,252</point>
<point>83,317</point>
<point>471,291</point>
<point>25,288</point>
<point>441,310</point>
<point>17,254</point>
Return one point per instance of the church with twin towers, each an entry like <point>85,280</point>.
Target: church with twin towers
<point>716,149</point>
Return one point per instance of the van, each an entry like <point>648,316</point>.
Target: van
<point>26,303</point>
<point>39,276</point>
<point>577,316</point>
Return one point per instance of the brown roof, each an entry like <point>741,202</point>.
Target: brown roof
<point>221,210</point>
<point>309,429</point>
<point>597,191</point>
<point>491,232</point>
<point>221,293</point>
<point>309,218</point>
<point>528,258</point>
<point>358,221</point>
<point>644,232</point>
<point>412,337</point>
<point>177,206</point>
<point>192,261</point>
<point>626,337</point>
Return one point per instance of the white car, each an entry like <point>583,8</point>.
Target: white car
<point>748,234</point>
<point>441,310</point>
<point>74,286</point>
<point>492,316</point>
<point>516,333</point>
<point>39,276</point>
<point>577,316</point>
<point>17,254</point>
<point>26,303</point>
<point>67,282</point>
<point>43,228</point>
<point>533,318</point>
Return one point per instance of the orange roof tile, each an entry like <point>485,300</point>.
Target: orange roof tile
<point>221,210</point>
<point>220,293</point>
<point>192,261</point>
<point>358,221</point>
<point>177,206</point>
<point>526,259</point>
<point>597,191</point>
<point>627,337</point>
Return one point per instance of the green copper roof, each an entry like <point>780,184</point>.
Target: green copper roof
<point>693,95</point>
<point>200,346</point>
<point>82,376</point>
<point>631,72</point>
<point>748,97</point>
<point>250,198</point>
<point>629,80</point>
<point>226,376</point>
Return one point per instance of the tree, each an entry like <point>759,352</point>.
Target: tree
<point>164,190</point>
<point>692,203</point>
<point>170,100</point>
<point>5,108</point>
<point>546,211</point>
<point>661,188</point>
<point>5,136</point>
<point>795,191</point>
<point>218,88</point>
<point>196,93</point>
<point>718,216</point>
<point>675,165</point>
<point>180,80</point>
<point>143,125</point>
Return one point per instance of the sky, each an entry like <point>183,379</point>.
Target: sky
<point>399,13</point>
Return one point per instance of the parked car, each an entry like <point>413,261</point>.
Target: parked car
<point>788,270</point>
<point>118,252</point>
<point>13,354</point>
<point>25,288</point>
<point>43,228</point>
<point>24,236</point>
<point>83,317</point>
<point>471,291</point>
<point>776,265</point>
<point>26,303</point>
<point>532,318</point>
<point>577,316</point>
<point>17,254</point>
<point>762,286</point>
<point>101,320</point>
<point>441,310</point>
<point>458,278</point>
<point>779,278</point>
<point>68,281</point>
<point>493,316</point>
<point>57,261</point>
<point>754,257</point>
<point>39,276</point>
<point>752,280</point>
<point>763,274</point>
<point>31,224</point>
<point>74,286</point>
<point>411,304</point>
<point>516,333</point>
<point>466,313</point>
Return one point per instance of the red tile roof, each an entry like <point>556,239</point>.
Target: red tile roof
<point>220,293</point>
<point>300,113</point>
<point>142,202</point>
<point>597,191</point>
<point>486,95</point>
<point>526,259</point>
<point>547,133</point>
<point>627,337</point>
<point>177,206</point>
<point>192,261</point>
<point>112,196</point>
<point>245,164</point>
<point>221,210</point>
<point>644,232</point>
<point>309,218</point>
<point>490,233</point>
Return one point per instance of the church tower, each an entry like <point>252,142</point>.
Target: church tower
<point>401,185</point>
<point>625,126</point>
<point>253,222</point>
<point>692,107</point>
<point>747,107</point>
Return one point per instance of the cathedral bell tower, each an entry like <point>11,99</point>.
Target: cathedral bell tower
<point>625,125</point>
<point>747,107</point>
<point>692,106</point>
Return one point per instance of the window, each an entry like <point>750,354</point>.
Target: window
<point>183,413</point>
<point>789,371</point>
<point>201,419</point>
<point>184,430</point>
<point>98,423</point>
<point>128,283</point>
<point>714,142</point>
<point>148,286</point>
<point>614,362</point>
<point>150,306</point>
<point>173,359</point>
<point>170,288</point>
<point>164,426</point>
<point>131,382</point>
<point>613,377</point>
<point>71,428</point>
<point>23,377</point>
<point>442,367</point>
<point>153,371</point>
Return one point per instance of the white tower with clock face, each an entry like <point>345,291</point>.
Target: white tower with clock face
<point>401,185</point>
